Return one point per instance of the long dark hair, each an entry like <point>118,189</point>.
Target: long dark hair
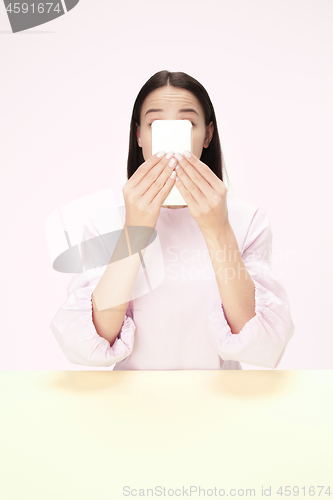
<point>212,155</point>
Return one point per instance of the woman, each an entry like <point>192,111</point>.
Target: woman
<point>218,303</point>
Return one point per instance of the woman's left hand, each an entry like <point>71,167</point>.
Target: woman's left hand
<point>204,193</point>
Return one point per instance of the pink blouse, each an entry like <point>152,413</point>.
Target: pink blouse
<point>178,322</point>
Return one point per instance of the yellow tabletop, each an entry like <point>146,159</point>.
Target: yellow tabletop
<point>102,435</point>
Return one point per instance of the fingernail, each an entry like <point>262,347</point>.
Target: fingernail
<point>169,155</point>
<point>176,178</point>
<point>173,174</point>
<point>172,162</point>
<point>178,156</point>
<point>187,154</point>
<point>161,153</point>
<point>177,166</point>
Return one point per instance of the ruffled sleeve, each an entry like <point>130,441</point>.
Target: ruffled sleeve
<point>263,339</point>
<point>73,325</point>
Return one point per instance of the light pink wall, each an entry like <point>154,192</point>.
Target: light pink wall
<point>67,89</point>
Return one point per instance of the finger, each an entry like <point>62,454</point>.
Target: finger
<point>144,168</point>
<point>152,174</point>
<point>159,183</point>
<point>202,168</point>
<point>189,191</point>
<point>194,182</point>
<point>156,177</point>
<point>165,190</point>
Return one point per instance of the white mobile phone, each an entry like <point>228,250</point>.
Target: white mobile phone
<point>176,136</point>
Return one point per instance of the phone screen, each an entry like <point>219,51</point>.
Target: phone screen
<point>176,136</point>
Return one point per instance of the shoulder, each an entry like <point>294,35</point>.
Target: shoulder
<point>246,219</point>
<point>239,206</point>
<point>243,212</point>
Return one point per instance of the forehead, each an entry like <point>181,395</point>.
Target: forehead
<point>168,96</point>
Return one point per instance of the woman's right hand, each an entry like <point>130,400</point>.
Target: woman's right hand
<point>147,188</point>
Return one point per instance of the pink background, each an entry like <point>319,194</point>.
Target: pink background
<point>67,89</point>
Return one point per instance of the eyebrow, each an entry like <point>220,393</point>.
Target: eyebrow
<point>187,110</point>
